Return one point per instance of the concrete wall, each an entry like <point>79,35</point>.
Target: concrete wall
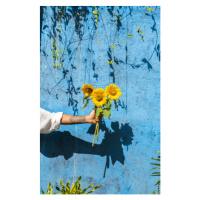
<point>120,160</point>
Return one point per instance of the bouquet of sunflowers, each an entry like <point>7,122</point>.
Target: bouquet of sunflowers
<point>102,100</point>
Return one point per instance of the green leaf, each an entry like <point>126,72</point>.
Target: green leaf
<point>158,182</point>
<point>108,103</point>
<point>106,112</point>
<point>156,173</point>
<point>48,188</point>
<point>98,186</point>
<point>130,35</point>
<point>112,47</point>
<point>85,104</point>
<point>63,191</point>
<point>52,190</point>
<point>155,164</point>
<point>155,159</point>
<point>57,188</point>
<point>155,168</point>
<point>87,188</point>
<point>77,181</point>
<point>153,192</point>
<point>79,188</point>
<point>67,187</point>
<point>61,183</point>
<point>98,111</point>
<point>84,98</point>
<point>119,45</point>
<point>72,188</point>
<point>42,191</point>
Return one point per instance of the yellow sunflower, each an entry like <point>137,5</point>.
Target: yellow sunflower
<point>87,89</point>
<point>113,91</point>
<point>99,97</point>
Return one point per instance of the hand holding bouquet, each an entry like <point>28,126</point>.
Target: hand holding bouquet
<point>102,100</point>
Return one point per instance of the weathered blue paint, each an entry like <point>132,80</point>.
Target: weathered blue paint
<point>120,160</point>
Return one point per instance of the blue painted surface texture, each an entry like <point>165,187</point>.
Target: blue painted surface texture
<point>120,160</point>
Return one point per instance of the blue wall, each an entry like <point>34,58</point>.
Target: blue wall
<point>120,160</point>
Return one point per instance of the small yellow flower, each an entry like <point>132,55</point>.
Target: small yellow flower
<point>150,9</point>
<point>95,12</point>
<point>110,62</point>
<point>87,89</point>
<point>99,97</point>
<point>113,92</point>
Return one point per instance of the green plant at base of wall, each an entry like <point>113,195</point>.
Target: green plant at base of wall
<point>49,189</point>
<point>74,189</point>
<point>157,173</point>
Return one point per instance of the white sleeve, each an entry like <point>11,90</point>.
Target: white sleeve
<point>49,121</point>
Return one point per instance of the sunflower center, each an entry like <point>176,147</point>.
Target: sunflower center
<point>89,90</point>
<point>113,92</point>
<point>99,97</point>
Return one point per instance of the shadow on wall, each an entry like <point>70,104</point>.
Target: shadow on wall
<point>63,143</point>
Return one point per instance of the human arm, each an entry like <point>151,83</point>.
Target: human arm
<point>51,121</point>
<point>70,119</point>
